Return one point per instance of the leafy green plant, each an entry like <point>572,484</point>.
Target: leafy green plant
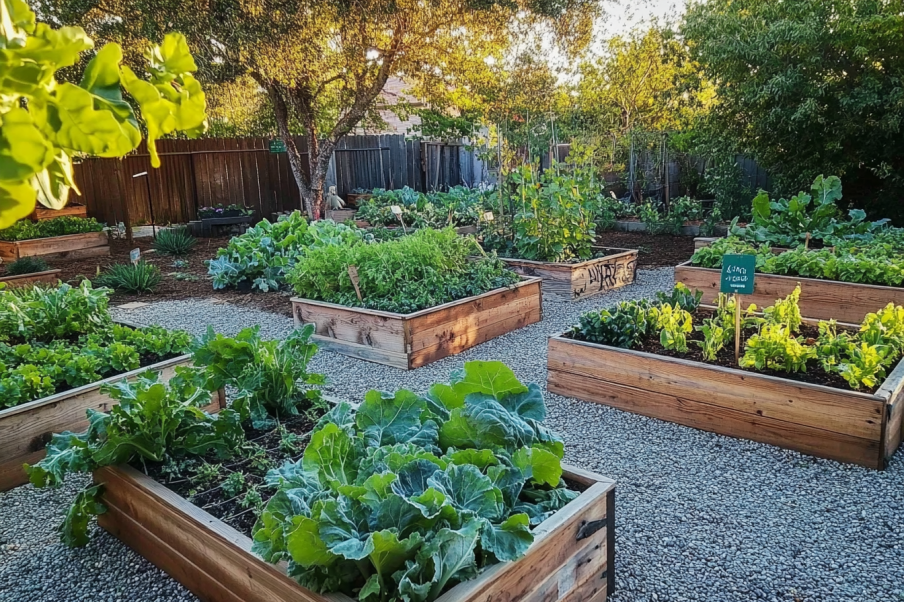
<point>409,495</point>
<point>786,312</point>
<point>425,269</point>
<point>264,254</point>
<point>272,377</point>
<point>864,365</point>
<point>715,337</point>
<point>885,328</point>
<point>152,422</point>
<point>141,277</point>
<point>459,206</point>
<point>234,484</point>
<point>674,325</point>
<point>59,226</point>
<point>774,347</point>
<point>47,122</point>
<point>681,297</point>
<point>623,326</point>
<point>832,345</point>
<point>27,265</point>
<point>46,313</point>
<point>174,241</point>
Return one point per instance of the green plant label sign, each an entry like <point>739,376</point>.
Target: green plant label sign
<point>737,274</point>
<point>277,145</point>
<point>134,256</point>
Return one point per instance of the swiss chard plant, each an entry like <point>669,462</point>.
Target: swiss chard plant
<point>153,421</point>
<point>271,377</point>
<point>410,494</point>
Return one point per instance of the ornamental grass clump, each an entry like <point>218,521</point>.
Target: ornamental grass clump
<point>426,269</point>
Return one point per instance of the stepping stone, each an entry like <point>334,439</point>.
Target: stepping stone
<point>133,305</point>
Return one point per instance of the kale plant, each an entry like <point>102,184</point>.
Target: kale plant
<point>409,495</point>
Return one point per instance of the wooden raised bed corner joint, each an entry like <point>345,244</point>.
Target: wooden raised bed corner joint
<point>571,559</point>
<point>409,341</point>
<point>26,429</point>
<point>576,281</point>
<point>847,426</point>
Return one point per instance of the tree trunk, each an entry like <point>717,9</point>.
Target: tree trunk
<point>281,113</point>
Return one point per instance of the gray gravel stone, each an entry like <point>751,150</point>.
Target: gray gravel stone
<point>699,516</point>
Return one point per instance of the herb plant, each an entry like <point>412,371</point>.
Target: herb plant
<point>409,495</point>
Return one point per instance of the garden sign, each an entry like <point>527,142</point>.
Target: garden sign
<point>737,278</point>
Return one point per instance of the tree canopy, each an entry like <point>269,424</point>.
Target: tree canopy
<point>810,88</point>
<point>44,123</point>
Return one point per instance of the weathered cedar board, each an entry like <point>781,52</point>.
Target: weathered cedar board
<point>819,299</point>
<point>842,425</point>
<point>412,340</point>
<point>41,214</point>
<point>46,277</point>
<point>71,246</point>
<point>25,429</point>
<point>340,215</point>
<point>215,562</point>
<point>576,281</point>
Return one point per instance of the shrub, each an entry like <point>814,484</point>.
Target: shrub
<point>174,241</point>
<point>27,265</point>
<point>131,278</point>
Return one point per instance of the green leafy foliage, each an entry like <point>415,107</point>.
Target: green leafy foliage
<point>27,265</point>
<point>45,122</point>
<point>141,277</point>
<point>59,226</point>
<point>428,268</point>
<point>674,325</point>
<point>623,326</point>
<point>410,495</point>
<point>786,312</point>
<point>680,210</point>
<point>263,255</point>
<point>272,377</point>
<point>174,241</point>
<point>61,338</point>
<point>681,297</point>
<point>459,206</point>
<point>774,347</point>
<point>153,421</point>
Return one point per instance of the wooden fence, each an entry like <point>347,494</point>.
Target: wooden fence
<point>196,173</point>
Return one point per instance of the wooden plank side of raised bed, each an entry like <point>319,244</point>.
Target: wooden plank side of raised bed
<point>707,417</point>
<point>819,299</point>
<point>893,391</point>
<point>378,330</point>
<point>832,410</point>
<point>20,280</point>
<point>470,318</point>
<point>549,571</point>
<point>603,274</point>
<point>62,244</point>
<point>26,429</point>
<point>208,557</point>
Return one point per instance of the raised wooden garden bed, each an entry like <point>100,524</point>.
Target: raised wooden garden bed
<point>819,299</point>
<point>46,277</point>
<point>571,559</point>
<point>41,214</point>
<point>340,215</point>
<point>211,226</point>
<point>355,199</point>
<point>412,340</point>
<point>838,424</point>
<point>575,281</point>
<point>71,246</point>
<point>26,429</point>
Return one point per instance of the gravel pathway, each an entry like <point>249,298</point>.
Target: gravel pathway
<point>700,516</point>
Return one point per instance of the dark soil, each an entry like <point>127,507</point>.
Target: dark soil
<point>654,250</point>
<point>210,496</point>
<point>170,288</point>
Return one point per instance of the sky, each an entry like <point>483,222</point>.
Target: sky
<point>621,16</point>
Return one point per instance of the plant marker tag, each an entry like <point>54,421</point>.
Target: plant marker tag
<point>134,256</point>
<point>353,276</point>
<point>807,242</point>
<point>737,278</point>
<point>396,209</point>
<point>488,216</point>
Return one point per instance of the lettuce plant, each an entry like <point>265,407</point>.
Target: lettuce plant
<point>411,494</point>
